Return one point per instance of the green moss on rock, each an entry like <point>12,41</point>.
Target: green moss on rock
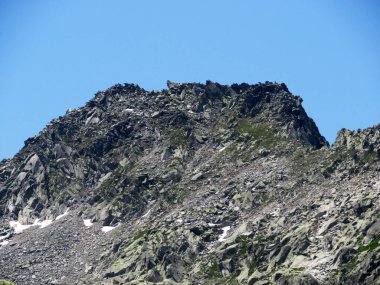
<point>5,282</point>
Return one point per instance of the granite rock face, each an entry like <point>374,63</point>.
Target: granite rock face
<point>194,184</point>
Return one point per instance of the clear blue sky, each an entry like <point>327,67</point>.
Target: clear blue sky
<point>56,54</point>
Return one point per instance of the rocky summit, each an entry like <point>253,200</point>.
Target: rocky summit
<point>194,184</point>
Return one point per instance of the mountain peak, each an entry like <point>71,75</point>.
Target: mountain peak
<point>262,101</point>
<point>197,183</point>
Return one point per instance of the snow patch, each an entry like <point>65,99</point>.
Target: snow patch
<point>180,221</point>
<point>5,242</point>
<point>5,237</point>
<point>223,148</point>
<point>18,227</point>
<point>107,229</point>
<point>61,216</point>
<point>87,223</point>
<point>222,237</point>
<point>146,214</point>
<point>44,224</point>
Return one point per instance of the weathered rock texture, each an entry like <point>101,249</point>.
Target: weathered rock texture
<point>198,184</point>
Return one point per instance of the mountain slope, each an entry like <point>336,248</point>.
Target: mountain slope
<point>196,184</point>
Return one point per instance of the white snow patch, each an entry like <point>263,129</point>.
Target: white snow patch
<point>44,224</point>
<point>5,242</point>
<point>146,214</point>
<point>129,110</point>
<point>180,221</point>
<point>61,216</point>
<point>224,234</point>
<point>18,227</point>
<point>223,148</point>
<point>5,237</point>
<point>87,223</point>
<point>107,229</point>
